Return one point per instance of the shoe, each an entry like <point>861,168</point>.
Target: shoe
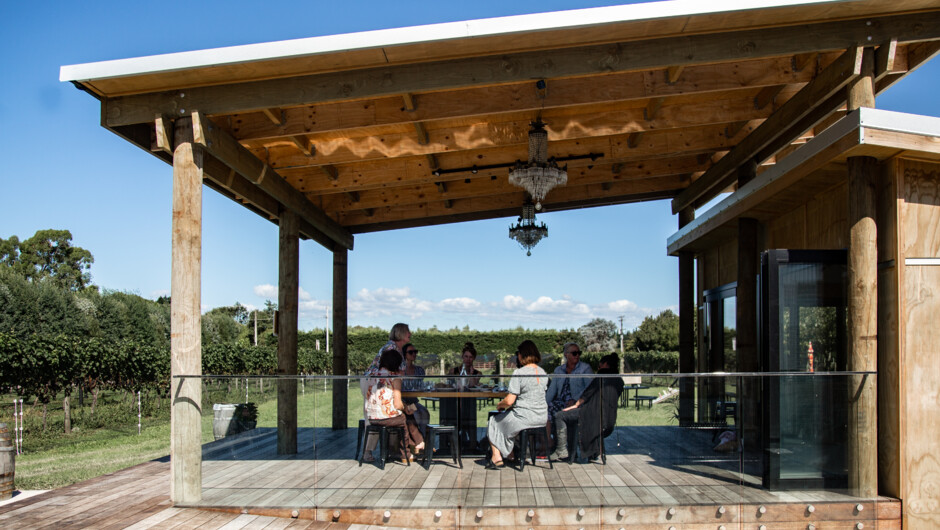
<point>368,457</point>
<point>493,465</point>
<point>419,448</point>
<point>560,454</point>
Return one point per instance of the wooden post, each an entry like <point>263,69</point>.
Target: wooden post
<point>863,322</point>
<point>863,300</point>
<point>288,284</point>
<point>340,357</point>
<point>185,324</point>
<point>746,330</point>
<point>686,326</point>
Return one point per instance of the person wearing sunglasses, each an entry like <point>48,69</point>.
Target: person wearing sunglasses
<point>414,383</point>
<point>564,391</point>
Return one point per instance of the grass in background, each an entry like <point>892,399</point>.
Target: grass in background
<point>54,460</point>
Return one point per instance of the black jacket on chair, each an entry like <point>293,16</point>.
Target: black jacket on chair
<point>598,413</point>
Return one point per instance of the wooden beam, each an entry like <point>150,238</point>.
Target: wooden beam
<point>673,73</point>
<point>518,98</point>
<point>363,145</point>
<point>769,134</point>
<point>287,306</point>
<point>633,140</point>
<point>353,196</point>
<point>860,92</point>
<point>275,115</point>
<point>232,154</point>
<point>409,102</point>
<point>421,132</point>
<point>733,129</point>
<point>418,193</point>
<point>448,203</point>
<point>331,172</point>
<point>766,96</point>
<point>885,59</point>
<point>390,220</point>
<point>383,173</point>
<point>521,67</point>
<point>163,137</point>
<point>488,206</point>
<point>802,60</point>
<point>432,162</point>
<point>304,144</point>
<point>652,108</point>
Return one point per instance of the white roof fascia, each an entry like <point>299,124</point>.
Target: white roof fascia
<point>863,118</point>
<point>413,35</point>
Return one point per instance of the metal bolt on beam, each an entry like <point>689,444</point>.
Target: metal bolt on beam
<point>294,514</point>
<point>671,511</point>
<point>762,509</point>
<point>810,508</point>
<point>387,514</point>
<point>581,512</point>
<point>859,507</point>
<point>479,514</point>
<point>721,509</point>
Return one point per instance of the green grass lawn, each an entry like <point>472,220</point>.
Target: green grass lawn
<point>66,459</point>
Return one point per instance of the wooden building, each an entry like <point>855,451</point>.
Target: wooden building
<point>338,135</point>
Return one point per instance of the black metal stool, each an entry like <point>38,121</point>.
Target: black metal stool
<point>527,439</point>
<point>441,430</point>
<point>362,427</point>
<point>383,432</point>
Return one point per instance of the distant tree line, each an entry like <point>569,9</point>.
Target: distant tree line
<point>59,334</point>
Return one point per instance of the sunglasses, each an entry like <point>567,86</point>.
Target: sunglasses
<point>415,352</point>
<point>575,353</point>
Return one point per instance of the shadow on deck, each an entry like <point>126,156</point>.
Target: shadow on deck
<point>654,475</point>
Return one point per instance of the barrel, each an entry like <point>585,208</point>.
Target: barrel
<point>223,420</point>
<point>7,462</point>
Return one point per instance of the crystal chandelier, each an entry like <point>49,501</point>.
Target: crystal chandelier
<point>526,232</point>
<point>539,175</point>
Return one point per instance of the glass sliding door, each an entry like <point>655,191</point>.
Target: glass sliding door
<point>803,331</point>
<point>717,395</point>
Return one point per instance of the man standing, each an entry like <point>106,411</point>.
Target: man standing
<point>595,412</point>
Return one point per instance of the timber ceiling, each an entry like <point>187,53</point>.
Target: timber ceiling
<point>416,134</point>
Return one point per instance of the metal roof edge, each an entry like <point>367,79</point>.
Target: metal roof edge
<point>556,20</point>
<point>862,118</point>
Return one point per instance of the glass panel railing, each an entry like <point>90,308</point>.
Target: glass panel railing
<point>726,444</point>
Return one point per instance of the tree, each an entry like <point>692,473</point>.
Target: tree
<point>48,254</point>
<point>599,335</point>
<point>659,333</point>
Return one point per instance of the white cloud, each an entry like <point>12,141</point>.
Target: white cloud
<point>462,304</point>
<point>513,302</point>
<point>303,295</point>
<point>158,293</point>
<point>266,291</point>
<point>622,306</point>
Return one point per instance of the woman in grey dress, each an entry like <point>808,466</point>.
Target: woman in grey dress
<point>523,408</point>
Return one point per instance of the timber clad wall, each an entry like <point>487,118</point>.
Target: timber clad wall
<point>908,322</point>
<point>919,209</point>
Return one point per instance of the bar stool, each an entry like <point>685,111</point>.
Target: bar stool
<point>527,439</point>
<point>441,430</point>
<point>382,431</point>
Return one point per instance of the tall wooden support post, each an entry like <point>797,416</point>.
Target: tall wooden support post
<point>686,327</point>
<point>288,284</point>
<point>746,331</point>
<point>746,319</point>
<point>185,325</point>
<point>863,320</point>
<point>340,357</point>
<point>863,301</point>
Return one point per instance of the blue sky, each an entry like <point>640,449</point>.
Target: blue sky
<point>61,170</point>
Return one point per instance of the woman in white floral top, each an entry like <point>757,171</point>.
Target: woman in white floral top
<point>384,405</point>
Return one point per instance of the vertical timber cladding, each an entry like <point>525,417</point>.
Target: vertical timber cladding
<point>288,284</point>
<point>920,354</point>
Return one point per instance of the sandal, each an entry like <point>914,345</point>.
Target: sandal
<point>494,465</point>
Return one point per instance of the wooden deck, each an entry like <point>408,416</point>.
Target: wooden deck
<point>654,475</point>
<point>137,497</point>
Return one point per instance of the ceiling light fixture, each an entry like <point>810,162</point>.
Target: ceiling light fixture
<point>540,174</point>
<point>527,233</point>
